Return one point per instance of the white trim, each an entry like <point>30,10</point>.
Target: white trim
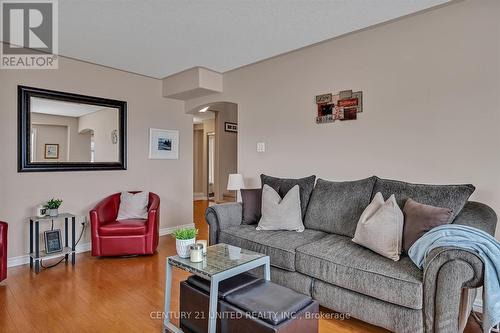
<point>85,247</point>
<point>169,230</point>
<point>199,196</point>
<point>25,259</point>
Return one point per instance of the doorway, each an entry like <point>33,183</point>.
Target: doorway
<point>215,151</point>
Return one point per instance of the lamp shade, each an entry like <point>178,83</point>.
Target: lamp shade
<point>235,182</point>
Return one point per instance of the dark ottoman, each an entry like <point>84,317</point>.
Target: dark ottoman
<point>247,305</point>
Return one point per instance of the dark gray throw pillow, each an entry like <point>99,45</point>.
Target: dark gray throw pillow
<point>336,207</point>
<point>283,185</point>
<point>420,218</point>
<point>252,203</point>
<point>453,197</point>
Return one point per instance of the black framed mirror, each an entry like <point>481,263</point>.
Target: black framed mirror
<point>60,131</point>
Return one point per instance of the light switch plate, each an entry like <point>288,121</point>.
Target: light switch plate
<point>261,147</point>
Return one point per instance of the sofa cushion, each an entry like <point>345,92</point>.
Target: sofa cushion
<point>278,245</point>
<point>123,228</point>
<point>283,185</point>
<point>335,207</point>
<point>337,260</point>
<point>446,196</point>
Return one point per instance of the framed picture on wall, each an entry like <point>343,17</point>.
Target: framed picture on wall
<point>163,144</point>
<point>51,151</point>
<point>231,127</point>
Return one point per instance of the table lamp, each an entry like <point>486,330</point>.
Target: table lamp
<point>235,182</point>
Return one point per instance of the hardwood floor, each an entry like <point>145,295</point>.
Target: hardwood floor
<point>109,294</point>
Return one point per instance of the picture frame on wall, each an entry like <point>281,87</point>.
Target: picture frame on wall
<point>53,242</point>
<point>163,144</point>
<point>51,151</point>
<point>231,127</point>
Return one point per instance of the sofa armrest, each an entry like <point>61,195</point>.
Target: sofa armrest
<point>447,270</point>
<point>478,215</point>
<point>222,216</point>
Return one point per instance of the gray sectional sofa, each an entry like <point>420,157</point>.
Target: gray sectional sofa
<point>323,262</point>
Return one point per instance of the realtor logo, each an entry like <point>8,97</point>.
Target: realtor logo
<point>29,34</point>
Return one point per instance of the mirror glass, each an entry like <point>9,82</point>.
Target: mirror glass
<point>62,131</point>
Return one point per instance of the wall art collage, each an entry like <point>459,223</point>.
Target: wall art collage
<point>342,106</point>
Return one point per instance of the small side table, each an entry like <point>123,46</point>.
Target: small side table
<point>37,255</point>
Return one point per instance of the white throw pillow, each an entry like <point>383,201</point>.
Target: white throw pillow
<point>133,206</point>
<point>281,214</point>
<point>380,227</point>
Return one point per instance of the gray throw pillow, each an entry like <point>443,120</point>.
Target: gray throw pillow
<point>453,197</point>
<point>420,218</point>
<point>251,202</point>
<point>335,207</point>
<point>283,185</point>
<point>280,214</point>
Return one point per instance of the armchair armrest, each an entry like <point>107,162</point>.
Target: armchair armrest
<point>3,250</point>
<point>448,270</point>
<point>153,213</point>
<point>222,216</point>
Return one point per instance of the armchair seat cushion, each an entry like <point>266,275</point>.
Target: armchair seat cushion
<point>278,245</point>
<point>337,260</point>
<point>124,228</point>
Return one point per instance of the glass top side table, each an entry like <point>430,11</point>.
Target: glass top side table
<point>37,255</point>
<point>221,262</point>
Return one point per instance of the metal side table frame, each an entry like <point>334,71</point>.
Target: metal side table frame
<point>214,278</point>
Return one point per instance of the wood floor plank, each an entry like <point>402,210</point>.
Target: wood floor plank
<point>111,294</point>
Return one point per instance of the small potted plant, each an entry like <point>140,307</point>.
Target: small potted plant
<point>52,207</point>
<point>183,238</point>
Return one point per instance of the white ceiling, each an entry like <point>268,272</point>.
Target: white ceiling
<point>60,108</point>
<point>162,37</point>
<point>199,117</point>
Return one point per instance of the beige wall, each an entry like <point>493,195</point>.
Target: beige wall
<point>78,143</point>
<point>53,135</point>
<point>171,179</point>
<point>102,123</point>
<point>431,86</point>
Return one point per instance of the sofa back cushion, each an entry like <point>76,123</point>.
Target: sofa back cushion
<point>336,207</point>
<point>453,197</point>
<point>283,185</point>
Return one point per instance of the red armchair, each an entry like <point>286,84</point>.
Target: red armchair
<point>3,250</point>
<point>125,237</point>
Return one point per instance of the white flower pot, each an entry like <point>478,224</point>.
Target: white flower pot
<point>182,246</point>
<point>53,212</point>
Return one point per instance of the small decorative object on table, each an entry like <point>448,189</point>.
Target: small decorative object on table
<point>52,207</point>
<point>196,252</point>
<point>204,243</point>
<point>53,243</point>
<point>40,211</point>
<point>184,237</point>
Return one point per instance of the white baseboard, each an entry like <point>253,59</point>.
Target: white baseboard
<point>168,231</point>
<point>25,259</point>
<point>199,196</point>
<point>85,247</point>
